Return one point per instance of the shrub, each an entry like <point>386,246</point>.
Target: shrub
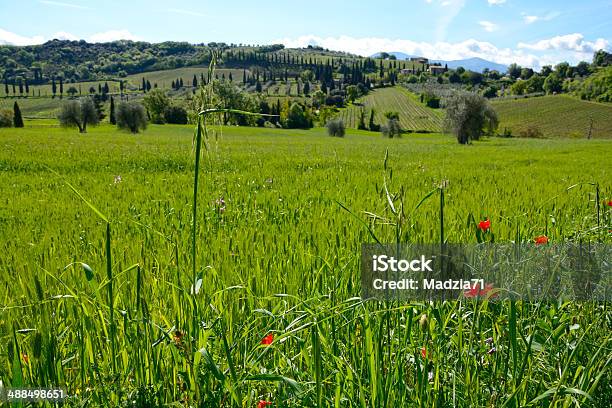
<point>131,116</point>
<point>531,131</point>
<point>156,102</point>
<point>335,127</point>
<point>296,117</point>
<point>431,100</point>
<point>6,118</point>
<point>506,133</point>
<point>392,115</point>
<point>335,100</point>
<point>490,92</point>
<point>175,115</point>
<point>391,129</point>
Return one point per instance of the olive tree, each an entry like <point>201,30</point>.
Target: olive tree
<point>131,116</point>
<point>335,127</point>
<point>469,116</point>
<point>79,114</point>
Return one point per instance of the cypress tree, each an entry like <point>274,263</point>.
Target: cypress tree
<point>6,88</point>
<point>181,82</point>
<point>17,119</point>
<point>113,121</point>
<point>230,77</point>
<point>144,85</point>
<point>14,91</point>
<point>27,86</point>
<point>20,87</point>
<point>244,78</point>
<point>61,87</point>
<point>148,85</point>
<point>372,126</point>
<point>195,81</point>
<point>173,85</point>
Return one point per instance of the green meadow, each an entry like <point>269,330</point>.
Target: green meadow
<point>111,311</point>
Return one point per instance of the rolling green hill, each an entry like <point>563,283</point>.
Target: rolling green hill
<point>414,116</point>
<point>164,78</point>
<point>555,116</point>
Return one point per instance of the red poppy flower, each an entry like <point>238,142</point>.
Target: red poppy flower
<point>542,239</point>
<point>26,358</point>
<point>423,352</point>
<point>268,339</point>
<point>484,225</point>
<point>609,203</point>
<point>476,291</point>
<point>263,404</point>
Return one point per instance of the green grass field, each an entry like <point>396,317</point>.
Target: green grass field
<point>278,255</point>
<point>556,116</point>
<point>413,115</point>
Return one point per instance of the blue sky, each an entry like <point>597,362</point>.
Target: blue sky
<point>532,33</point>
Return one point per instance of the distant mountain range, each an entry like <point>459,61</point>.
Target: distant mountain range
<point>473,64</point>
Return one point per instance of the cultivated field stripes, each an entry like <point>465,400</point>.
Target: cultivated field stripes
<point>555,116</point>
<point>414,116</point>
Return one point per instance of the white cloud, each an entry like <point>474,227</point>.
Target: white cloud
<point>488,26</point>
<point>496,2</point>
<point>185,12</point>
<point>112,35</point>
<point>451,8</point>
<point>530,19</point>
<point>527,55</point>
<point>570,42</point>
<point>446,13</point>
<point>62,4</point>
<point>9,38</point>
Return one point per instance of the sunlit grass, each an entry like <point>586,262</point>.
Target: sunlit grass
<point>282,258</point>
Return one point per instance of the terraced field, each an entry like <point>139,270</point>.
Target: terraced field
<point>555,116</point>
<point>413,115</point>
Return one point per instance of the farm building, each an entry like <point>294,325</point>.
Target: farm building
<point>436,70</point>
